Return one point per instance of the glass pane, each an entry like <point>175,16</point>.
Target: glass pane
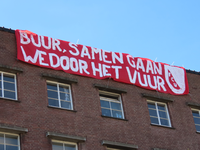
<point>0,83</point>
<point>1,139</point>
<point>116,106</point>
<point>117,114</point>
<point>152,112</point>
<point>195,113</point>
<point>9,94</point>
<point>105,104</point>
<point>1,147</point>
<point>151,105</point>
<point>53,102</point>
<point>63,88</point>
<point>197,128</point>
<point>9,86</point>
<point>52,87</point>
<point>65,105</point>
<point>197,120</point>
<point>9,147</point>
<point>0,93</point>
<point>52,94</point>
<point>106,112</point>
<point>161,107</point>
<point>9,78</point>
<point>164,122</point>
<point>154,120</point>
<point>70,147</point>
<point>10,139</point>
<point>57,146</point>
<point>65,96</point>
<point>162,114</point>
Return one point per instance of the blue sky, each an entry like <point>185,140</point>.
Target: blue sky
<point>167,31</point>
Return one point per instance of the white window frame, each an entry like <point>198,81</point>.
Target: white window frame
<point>2,81</point>
<point>193,117</point>
<point>112,100</point>
<point>70,94</point>
<point>64,142</point>
<point>18,138</point>
<point>156,104</point>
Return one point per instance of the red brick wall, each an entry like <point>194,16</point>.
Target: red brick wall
<point>32,111</point>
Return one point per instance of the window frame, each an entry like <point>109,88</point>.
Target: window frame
<point>157,112</point>
<point>64,142</point>
<point>119,98</point>
<point>18,139</point>
<point>198,110</point>
<point>2,85</point>
<point>58,92</point>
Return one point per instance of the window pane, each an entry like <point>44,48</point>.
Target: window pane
<point>70,147</point>
<point>0,83</point>
<point>195,113</point>
<point>115,106</point>
<point>64,89</point>
<point>52,94</point>
<point>150,105</point>
<point>152,112</point>
<point>197,128</point>
<point>9,86</point>
<point>164,122</point>
<point>64,96</point>
<point>154,120</point>
<point>197,120</point>
<point>161,107</point>
<point>65,105</point>
<point>1,147</point>
<point>9,94</point>
<point>57,146</point>
<point>10,139</point>
<point>9,78</point>
<point>105,104</point>
<point>0,92</point>
<point>162,114</point>
<point>52,87</point>
<point>1,138</point>
<point>9,147</point>
<point>53,102</point>
<point>117,114</point>
<point>106,112</point>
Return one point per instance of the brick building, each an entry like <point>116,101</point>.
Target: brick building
<point>45,109</point>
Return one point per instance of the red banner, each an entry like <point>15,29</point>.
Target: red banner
<point>100,64</point>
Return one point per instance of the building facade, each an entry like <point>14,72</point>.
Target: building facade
<point>45,109</point>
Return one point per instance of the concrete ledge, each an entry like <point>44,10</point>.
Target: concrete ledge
<point>64,137</point>
<point>12,129</point>
<point>111,144</point>
<point>109,88</point>
<point>157,98</point>
<point>58,78</point>
<point>158,149</point>
<point>193,105</point>
<point>10,69</point>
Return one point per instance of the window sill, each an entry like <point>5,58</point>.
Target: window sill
<point>7,99</point>
<point>62,108</point>
<point>162,126</point>
<point>198,132</point>
<point>114,118</point>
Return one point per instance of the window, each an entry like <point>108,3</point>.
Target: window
<point>196,116</point>
<point>158,113</point>
<point>61,145</point>
<point>8,85</point>
<point>59,95</point>
<point>9,141</point>
<point>111,104</point>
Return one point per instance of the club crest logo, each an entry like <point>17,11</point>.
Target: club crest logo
<point>175,78</point>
